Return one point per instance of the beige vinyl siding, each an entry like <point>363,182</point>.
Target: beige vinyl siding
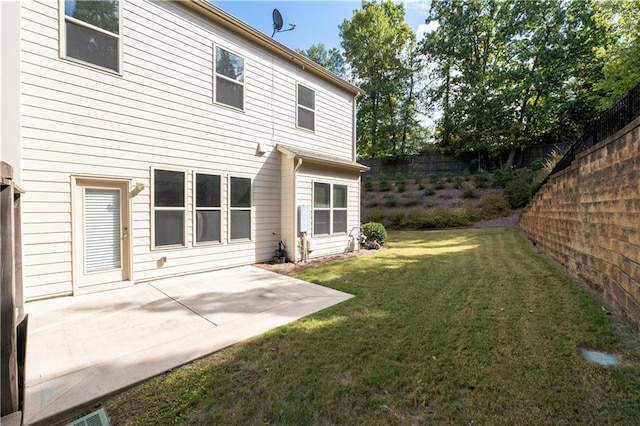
<point>80,121</point>
<point>333,243</point>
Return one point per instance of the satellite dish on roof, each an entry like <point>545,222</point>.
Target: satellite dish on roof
<point>277,23</point>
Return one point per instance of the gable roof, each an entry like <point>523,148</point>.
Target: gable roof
<point>233,24</point>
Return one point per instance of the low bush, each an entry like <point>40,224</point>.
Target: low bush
<point>368,184</point>
<point>401,182</point>
<point>375,231</point>
<point>448,176</point>
<point>495,205</point>
<point>518,193</point>
<point>420,185</point>
<point>383,182</point>
<point>438,185</point>
<point>429,191</point>
<point>397,220</point>
<point>433,178</point>
<point>468,191</point>
<point>482,179</point>
<point>376,215</point>
<point>443,218</point>
<point>389,200</point>
<point>409,199</point>
<point>457,182</point>
<point>370,201</point>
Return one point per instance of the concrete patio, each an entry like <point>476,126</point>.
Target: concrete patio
<point>80,349</point>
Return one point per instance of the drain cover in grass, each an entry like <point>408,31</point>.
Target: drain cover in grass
<point>598,357</point>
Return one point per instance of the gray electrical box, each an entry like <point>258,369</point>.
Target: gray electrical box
<point>304,219</point>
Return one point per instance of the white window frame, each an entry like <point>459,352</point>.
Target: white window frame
<point>298,106</point>
<point>231,209</point>
<point>331,209</point>
<point>196,208</point>
<point>216,75</point>
<point>63,18</point>
<point>335,209</point>
<point>154,209</point>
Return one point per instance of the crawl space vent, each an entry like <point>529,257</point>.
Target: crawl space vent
<point>97,418</point>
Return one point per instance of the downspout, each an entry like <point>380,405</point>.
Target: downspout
<point>295,207</point>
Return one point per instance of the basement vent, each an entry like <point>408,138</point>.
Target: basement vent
<point>97,418</point>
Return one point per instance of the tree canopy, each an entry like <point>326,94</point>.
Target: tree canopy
<point>498,75</point>
<point>331,59</point>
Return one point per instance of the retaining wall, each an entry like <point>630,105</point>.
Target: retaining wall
<point>587,218</point>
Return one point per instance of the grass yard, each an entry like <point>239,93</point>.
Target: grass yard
<point>447,327</point>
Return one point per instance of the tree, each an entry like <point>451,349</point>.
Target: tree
<point>380,49</point>
<point>621,56</point>
<point>508,73</point>
<point>330,59</point>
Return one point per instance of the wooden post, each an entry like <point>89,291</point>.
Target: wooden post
<point>8,344</point>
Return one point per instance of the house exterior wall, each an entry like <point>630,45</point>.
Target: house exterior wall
<point>79,121</point>
<point>587,218</point>
<point>306,176</point>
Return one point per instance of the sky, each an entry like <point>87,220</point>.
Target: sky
<point>316,21</point>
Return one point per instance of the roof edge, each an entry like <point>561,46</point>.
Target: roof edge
<point>237,26</point>
<point>308,156</point>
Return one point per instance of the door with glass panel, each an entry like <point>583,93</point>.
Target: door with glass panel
<point>102,237</point>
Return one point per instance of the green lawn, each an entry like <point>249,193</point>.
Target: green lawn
<point>447,327</point>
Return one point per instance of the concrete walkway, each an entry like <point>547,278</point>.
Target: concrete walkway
<point>80,349</point>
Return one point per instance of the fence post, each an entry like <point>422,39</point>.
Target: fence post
<point>630,106</point>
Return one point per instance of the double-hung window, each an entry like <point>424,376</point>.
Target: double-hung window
<point>306,108</point>
<point>329,208</point>
<point>169,208</point>
<point>240,208</point>
<point>208,208</point>
<point>229,78</point>
<point>91,32</point>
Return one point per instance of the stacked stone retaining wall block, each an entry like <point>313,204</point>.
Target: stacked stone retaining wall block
<point>587,218</point>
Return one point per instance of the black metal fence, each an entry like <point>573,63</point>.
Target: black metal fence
<point>423,165</point>
<point>614,119</point>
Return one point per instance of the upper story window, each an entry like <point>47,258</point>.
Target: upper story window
<point>92,32</point>
<point>229,78</point>
<point>306,108</point>
<point>208,208</point>
<point>169,208</point>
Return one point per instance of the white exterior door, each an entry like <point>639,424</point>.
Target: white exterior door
<point>102,240</point>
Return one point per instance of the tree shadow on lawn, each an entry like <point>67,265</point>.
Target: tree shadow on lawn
<point>428,342</point>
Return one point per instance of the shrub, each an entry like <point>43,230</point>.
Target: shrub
<point>374,231</point>
<point>518,193</point>
<point>389,200</point>
<point>429,191</point>
<point>443,218</point>
<point>397,220</point>
<point>550,163</point>
<point>409,199</point>
<point>502,176</point>
<point>495,205</point>
<point>457,182</point>
<point>468,191</point>
<point>370,201</point>
<point>368,183</point>
<point>383,182</point>
<point>448,176</point>
<point>401,182</point>
<point>433,178</point>
<point>377,215</point>
<point>482,179</point>
<point>420,185</point>
<point>438,185</point>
